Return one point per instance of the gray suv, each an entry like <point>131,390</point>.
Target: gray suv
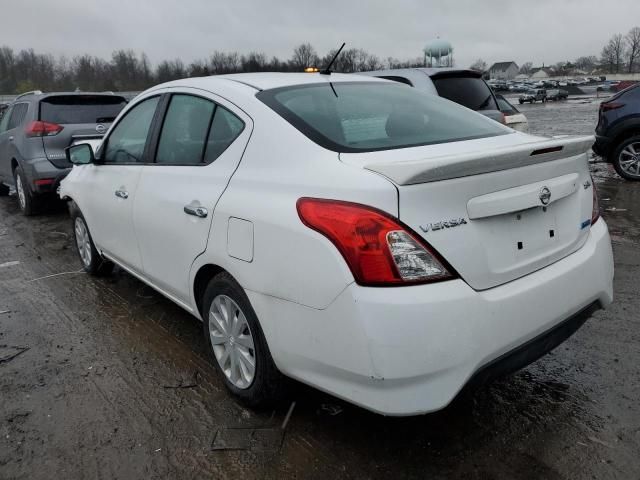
<point>35,130</point>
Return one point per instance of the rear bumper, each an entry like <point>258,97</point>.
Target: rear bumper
<point>602,146</point>
<point>43,169</point>
<point>410,350</point>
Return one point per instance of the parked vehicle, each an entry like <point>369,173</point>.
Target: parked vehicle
<point>465,87</point>
<point>379,243</point>
<point>618,132</point>
<point>36,129</point>
<point>512,116</point>
<point>534,95</point>
<point>557,94</point>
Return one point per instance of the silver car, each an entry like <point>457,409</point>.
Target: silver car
<point>465,87</point>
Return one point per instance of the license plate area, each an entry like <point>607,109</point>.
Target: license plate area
<point>533,231</point>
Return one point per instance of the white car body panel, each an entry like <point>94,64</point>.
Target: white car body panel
<point>398,351</point>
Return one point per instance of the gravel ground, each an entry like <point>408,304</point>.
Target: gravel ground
<point>104,378</point>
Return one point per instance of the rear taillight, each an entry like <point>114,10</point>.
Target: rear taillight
<point>42,129</point>
<point>595,210</point>
<point>606,106</point>
<point>379,250</point>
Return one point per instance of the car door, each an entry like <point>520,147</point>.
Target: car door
<point>8,126</point>
<point>200,143</point>
<point>5,161</point>
<point>108,187</point>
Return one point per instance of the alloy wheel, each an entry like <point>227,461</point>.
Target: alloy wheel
<point>232,341</point>
<point>629,159</point>
<point>83,241</point>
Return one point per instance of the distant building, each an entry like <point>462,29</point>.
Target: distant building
<point>504,70</point>
<point>541,72</point>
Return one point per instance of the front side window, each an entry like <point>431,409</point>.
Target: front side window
<point>367,116</point>
<point>127,141</point>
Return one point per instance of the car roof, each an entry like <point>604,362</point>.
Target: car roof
<point>269,80</point>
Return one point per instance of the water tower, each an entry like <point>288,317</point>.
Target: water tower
<point>438,53</point>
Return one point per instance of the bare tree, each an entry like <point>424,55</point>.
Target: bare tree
<point>633,47</point>
<point>613,53</point>
<point>304,55</point>
<point>526,68</point>
<point>480,65</point>
<point>587,63</point>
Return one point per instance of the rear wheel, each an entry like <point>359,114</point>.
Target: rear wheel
<point>521,101</point>
<point>28,203</point>
<point>237,344</point>
<point>92,261</point>
<point>626,158</point>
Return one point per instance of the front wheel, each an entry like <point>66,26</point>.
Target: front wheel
<point>26,200</point>
<point>92,261</point>
<point>626,158</point>
<point>237,344</point>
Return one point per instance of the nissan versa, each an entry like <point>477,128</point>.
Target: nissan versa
<point>381,244</point>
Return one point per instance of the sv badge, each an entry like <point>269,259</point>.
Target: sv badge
<point>432,227</point>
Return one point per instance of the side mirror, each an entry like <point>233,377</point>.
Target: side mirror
<point>81,154</point>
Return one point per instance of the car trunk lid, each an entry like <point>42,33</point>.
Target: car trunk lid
<point>497,208</point>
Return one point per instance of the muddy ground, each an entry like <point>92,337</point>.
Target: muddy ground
<point>104,378</point>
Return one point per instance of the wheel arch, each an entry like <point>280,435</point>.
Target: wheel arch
<point>202,277</point>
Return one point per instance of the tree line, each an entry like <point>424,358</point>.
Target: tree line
<point>621,54</point>
<point>127,70</point>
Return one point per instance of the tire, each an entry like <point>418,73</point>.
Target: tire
<point>521,101</point>
<point>27,202</point>
<point>4,190</point>
<point>626,163</point>
<point>92,262</point>
<point>263,387</point>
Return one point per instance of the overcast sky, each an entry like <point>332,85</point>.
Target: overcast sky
<point>496,30</point>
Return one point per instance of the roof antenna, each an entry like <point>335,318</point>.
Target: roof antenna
<point>327,70</point>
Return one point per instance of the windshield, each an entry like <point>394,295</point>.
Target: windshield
<point>367,116</point>
<point>81,108</point>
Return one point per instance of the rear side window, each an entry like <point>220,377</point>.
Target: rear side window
<point>126,142</point>
<point>367,116</point>
<point>506,107</point>
<point>195,131</point>
<point>70,109</point>
<point>470,92</point>
<point>18,115</point>
<point>184,131</point>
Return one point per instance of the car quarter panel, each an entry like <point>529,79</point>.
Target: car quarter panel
<point>290,261</point>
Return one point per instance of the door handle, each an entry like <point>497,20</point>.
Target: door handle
<point>122,194</point>
<point>11,138</point>
<point>196,211</point>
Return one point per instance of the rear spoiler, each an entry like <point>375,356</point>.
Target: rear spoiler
<point>445,167</point>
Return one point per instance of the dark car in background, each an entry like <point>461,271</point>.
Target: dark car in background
<point>34,131</point>
<point>618,132</point>
<point>533,95</point>
<point>465,87</point>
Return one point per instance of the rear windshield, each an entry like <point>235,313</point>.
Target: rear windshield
<point>367,116</point>
<point>505,106</point>
<point>471,92</point>
<point>81,108</point>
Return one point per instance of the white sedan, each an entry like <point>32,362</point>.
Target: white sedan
<point>381,244</point>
